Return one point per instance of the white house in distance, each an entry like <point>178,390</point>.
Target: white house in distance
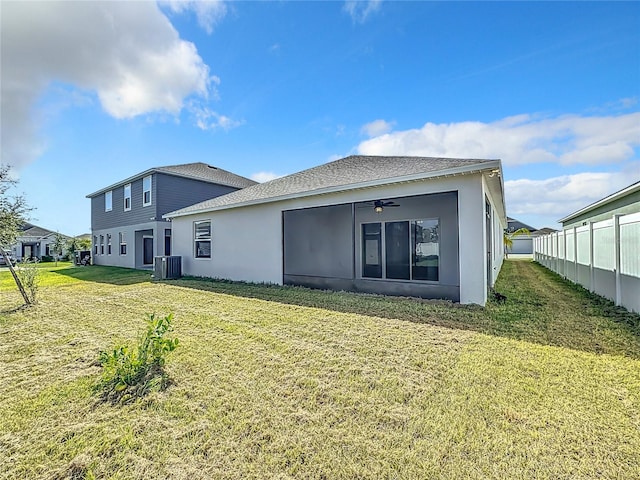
<point>34,242</point>
<point>418,226</point>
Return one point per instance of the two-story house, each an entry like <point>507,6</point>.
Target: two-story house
<point>127,227</point>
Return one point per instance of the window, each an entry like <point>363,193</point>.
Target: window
<point>127,197</point>
<point>101,244</point>
<point>146,191</point>
<point>426,250</point>
<point>371,250</point>
<point>411,250</point>
<point>108,197</point>
<point>95,245</point>
<point>123,243</point>
<point>108,244</point>
<point>202,239</point>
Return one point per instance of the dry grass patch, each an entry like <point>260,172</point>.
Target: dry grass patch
<point>277,388</point>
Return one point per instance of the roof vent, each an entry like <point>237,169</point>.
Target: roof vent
<point>211,166</point>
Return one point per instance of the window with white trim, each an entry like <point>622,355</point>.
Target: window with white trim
<point>202,239</point>
<point>123,243</point>
<point>108,244</point>
<point>146,191</point>
<point>108,201</point>
<point>127,197</point>
<point>101,244</point>
<point>95,245</point>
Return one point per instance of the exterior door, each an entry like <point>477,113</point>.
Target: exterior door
<point>147,250</point>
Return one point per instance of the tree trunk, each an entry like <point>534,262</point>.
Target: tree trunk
<point>15,277</point>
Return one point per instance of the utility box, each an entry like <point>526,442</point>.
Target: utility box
<point>167,267</point>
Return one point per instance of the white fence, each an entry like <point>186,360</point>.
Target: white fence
<point>603,257</point>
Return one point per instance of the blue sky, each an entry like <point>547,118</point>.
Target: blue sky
<point>95,92</point>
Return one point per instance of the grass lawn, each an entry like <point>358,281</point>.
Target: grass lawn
<point>275,382</point>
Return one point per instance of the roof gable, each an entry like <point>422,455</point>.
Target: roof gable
<point>348,173</point>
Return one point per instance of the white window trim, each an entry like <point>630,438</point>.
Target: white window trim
<point>123,242</point>
<point>109,194</point>
<point>209,239</point>
<point>124,201</point>
<point>146,204</point>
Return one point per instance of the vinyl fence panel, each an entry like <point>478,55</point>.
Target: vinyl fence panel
<point>603,257</point>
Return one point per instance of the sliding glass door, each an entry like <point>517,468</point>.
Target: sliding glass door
<point>408,250</point>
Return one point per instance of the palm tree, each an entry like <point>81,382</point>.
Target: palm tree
<point>509,236</point>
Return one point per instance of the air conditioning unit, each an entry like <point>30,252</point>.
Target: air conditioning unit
<point>167,267</point>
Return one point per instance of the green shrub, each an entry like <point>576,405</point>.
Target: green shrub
<point>128,372</point>
<point>47,258</point>
<point>29,275</point>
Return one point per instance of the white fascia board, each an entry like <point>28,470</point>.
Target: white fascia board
<point>467,169</point>
<point>614,196</point>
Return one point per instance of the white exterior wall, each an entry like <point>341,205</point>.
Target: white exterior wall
<point>498,225</point>
<point>128,260</point>
<point>247,241</point>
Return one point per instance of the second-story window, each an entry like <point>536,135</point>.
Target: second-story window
<point>146,191</point>
<point>108,197</point>
<point>127,197</point>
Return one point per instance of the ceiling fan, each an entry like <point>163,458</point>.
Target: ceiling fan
<point>380,205</point>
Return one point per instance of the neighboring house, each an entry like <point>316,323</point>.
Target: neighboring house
<point>34,242</point>
<point>426,227</point>
<point>622,202</point>
<point>521,244</point>
<point>127,227</point>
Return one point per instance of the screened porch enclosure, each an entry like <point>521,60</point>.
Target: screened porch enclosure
<point>407,247</point>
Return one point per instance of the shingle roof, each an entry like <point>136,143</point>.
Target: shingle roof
<point>197,171</point>
<point>346,173</point>
<point>34,231</point>
<point>202,171</point>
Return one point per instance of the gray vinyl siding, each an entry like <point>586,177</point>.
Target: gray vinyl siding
<point>117,216</point>
<point>179,192</point>
<point>168,193</point>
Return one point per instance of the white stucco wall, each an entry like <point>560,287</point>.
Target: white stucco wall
<point>133,257</point>
<point>247,241</point>
<point>499,224</point>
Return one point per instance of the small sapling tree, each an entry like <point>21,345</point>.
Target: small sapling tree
<point>57,246</point>
<point>13,210</point>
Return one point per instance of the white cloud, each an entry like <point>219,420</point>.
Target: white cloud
<point>553,198</point>
<point>519,140</point>
<point>208,12</point>
<point>128,53</point>
<point>207,119</point>
<point>377,128</point>
<point>262,177</point>
<point>360,10</point>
